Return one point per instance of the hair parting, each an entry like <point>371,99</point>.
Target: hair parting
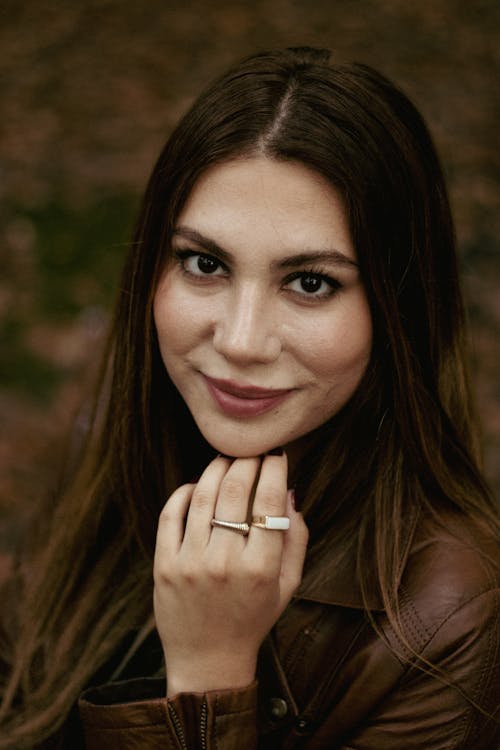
<point>405,444</point>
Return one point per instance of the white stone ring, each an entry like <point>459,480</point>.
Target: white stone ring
<point>280,523</point>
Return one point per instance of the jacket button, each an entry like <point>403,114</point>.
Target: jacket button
<point>302,726</point>
<point>278,708</point>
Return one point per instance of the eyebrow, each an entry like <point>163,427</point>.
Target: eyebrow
<point>290,261</point>
<point>205,242</point>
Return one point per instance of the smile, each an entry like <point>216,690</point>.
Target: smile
<point>242,400</point>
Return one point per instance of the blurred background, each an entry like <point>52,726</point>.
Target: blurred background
<point>90,90</point>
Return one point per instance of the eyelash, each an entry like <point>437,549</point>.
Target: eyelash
<point>182,256</point>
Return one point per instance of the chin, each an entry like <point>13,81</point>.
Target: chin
<point>233,452</point>
<point>242,448</point>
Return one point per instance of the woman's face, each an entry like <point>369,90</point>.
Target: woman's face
<point>263,322</point>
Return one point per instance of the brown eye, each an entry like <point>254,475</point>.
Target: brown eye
<point>207,264</point>
<point>311,283</point>
<point>199,264</point>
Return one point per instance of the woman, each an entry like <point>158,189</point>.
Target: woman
<point>292,283</point>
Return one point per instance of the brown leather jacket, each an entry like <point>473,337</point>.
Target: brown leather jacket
<point>327,679</point>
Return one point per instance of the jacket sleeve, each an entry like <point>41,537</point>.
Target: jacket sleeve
<point>456,706</point>
<point>130,716</point>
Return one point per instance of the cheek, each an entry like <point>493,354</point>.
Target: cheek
<point>174,319</point>
<point>339,347</point>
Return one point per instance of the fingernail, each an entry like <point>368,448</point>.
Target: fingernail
<point>278,451</point>
<point>291,495</point>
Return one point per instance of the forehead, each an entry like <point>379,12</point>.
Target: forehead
<point>260,199</point>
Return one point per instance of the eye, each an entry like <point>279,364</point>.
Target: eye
<point>312,284</point>
<point>199,264</point>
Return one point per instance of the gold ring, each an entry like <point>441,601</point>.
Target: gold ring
<point>240,528</point>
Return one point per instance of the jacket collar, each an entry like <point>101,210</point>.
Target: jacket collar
<point>339,585</point>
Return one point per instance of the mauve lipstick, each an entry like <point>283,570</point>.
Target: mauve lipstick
<point>238,400</point>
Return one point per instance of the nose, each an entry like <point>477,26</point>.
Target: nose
<point>245,331</point>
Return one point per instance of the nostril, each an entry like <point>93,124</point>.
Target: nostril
<point>245,330</point>
<point>246,343</point>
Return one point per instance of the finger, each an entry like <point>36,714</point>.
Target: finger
<point>270,500</point>
<point>294,551</point>
<point>203,500</point>
<point>171,521</point>
<point>235,492</point>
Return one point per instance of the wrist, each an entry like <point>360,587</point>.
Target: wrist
<point>209,675</point>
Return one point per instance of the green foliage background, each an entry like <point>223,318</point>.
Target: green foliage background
<point>89,92</point>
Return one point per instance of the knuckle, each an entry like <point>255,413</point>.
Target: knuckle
<point>232,489</point>
<point>187,572</point>
<point>260,575</point>
<point>166,514</point>
<point>167,518</point>
<point>201,500</point>
<point>174,504</point>
<point>272,500</point>
<point>217,571</point>
<point>161,575</point>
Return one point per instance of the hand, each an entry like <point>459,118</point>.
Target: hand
<point>217,593</point>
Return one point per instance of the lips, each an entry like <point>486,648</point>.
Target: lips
<point>245,400</point>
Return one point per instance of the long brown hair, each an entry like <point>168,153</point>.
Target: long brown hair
<point>405,440</point>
